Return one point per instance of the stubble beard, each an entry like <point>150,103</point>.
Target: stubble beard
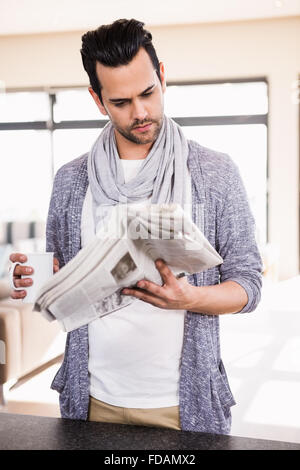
<point>149,136</point>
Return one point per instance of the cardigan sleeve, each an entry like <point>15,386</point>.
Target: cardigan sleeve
<point>236,240</point>
<point>53,232</point>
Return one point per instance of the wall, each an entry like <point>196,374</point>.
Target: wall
<point>197,52</point>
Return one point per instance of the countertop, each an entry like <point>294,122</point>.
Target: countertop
<point>36,432</point>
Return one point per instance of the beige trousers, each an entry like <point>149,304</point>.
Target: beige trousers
<point>160,417</point>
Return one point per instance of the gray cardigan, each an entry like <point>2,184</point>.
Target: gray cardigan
<point>220,208</point>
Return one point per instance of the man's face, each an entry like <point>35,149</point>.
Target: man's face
<point>133,98</point>
<point>123,269</point>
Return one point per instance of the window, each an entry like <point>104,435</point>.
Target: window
<point>39,132</point>
<point>217,99</point>
<point>25,177</point>
<point>230,118</point>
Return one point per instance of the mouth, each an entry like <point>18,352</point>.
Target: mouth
<point>144,128</point>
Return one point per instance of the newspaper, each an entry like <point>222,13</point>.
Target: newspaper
<point>122,253</point>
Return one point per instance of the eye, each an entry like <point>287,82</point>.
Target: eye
<point>119,105</point>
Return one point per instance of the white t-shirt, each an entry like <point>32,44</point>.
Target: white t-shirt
<point>134,353</point>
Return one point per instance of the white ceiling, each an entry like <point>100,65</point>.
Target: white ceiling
<point>36,16</point>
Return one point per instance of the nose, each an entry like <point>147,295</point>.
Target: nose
<point>139,112</point>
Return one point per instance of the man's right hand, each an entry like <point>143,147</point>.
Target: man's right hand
<point>24,270</point>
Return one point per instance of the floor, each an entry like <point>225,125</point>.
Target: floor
<point>35,396</point>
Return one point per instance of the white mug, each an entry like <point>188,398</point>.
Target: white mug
<point>42,264</point>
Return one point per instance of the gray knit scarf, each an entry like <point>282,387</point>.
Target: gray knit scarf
<point>162,175</point>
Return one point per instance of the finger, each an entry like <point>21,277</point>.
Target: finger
<point>151,287</point>
<point>18,294</point>
<point>18,258</point>
<point>165,272</point>
<point>139,294</point>
<point>22,270</point>
<point>25,282</point>
<point>55,265</point>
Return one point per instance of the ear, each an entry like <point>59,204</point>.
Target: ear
<point>97,101</point>
<point>162,76</point>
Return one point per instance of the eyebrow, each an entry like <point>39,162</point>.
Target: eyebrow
<point>116,100</point>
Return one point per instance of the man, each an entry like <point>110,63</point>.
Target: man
<point>156,361</point>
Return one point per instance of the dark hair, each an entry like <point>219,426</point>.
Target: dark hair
<point>113,45</point>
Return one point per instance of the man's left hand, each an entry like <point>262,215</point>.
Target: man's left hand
<point>174,294</point>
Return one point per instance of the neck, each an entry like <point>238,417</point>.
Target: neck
<point>129,150</point>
